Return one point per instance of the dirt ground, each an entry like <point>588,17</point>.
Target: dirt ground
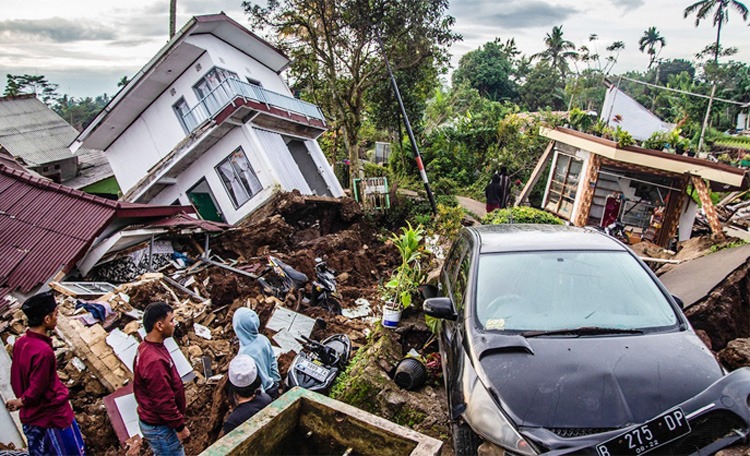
<point>290,228</point>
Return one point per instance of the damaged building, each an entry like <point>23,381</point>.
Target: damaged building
<point>594,182</point>
<point>209,121</point>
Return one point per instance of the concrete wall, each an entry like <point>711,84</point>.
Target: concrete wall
<point>205,166</point>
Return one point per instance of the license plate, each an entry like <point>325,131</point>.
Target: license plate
<point>648,436</point>
<point>319,373</point>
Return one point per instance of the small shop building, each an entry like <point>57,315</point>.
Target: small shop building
<point>593,182</point>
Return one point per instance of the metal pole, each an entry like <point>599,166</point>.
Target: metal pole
<point>417,156</point>
<point>705,119</point>
<point>151,254</point>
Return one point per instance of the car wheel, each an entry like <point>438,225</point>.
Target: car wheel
<point>465,440</point>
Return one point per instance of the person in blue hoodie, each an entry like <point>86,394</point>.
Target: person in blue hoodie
<point>246,325</point>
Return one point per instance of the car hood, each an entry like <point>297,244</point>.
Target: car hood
<point>598,382</point>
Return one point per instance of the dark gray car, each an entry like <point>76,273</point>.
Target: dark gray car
<point>559,340</point>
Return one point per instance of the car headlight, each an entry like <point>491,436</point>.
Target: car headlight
<point>485,417</point>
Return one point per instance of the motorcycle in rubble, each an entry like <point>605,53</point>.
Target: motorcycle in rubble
<point>319,363</point>
<point>289,280</point>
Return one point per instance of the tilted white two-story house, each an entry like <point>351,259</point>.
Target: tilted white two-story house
<point>210,121</point>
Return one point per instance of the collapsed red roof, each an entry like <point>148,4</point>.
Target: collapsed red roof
<point>46,227</point>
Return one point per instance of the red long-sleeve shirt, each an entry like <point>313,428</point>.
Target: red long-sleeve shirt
<point>33,377</point>
<point>158,387</point>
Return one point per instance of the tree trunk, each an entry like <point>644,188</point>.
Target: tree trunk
<point>718,37</point>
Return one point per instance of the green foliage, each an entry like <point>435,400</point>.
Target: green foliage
<point>338,63</point>
<point>730,245</point>
<point>581,120</point>
<point>408,417</point>
<point>488,70</point>
<point>622,137</point>
<point>657,141</point>
<point>735,142</point>
<point>407,276</point>
<point>559,51</point>
<point>448,220</point>
<point>520,214</point>
<point>79,112</point>
<point>543,89</point>
<point>27,84</point>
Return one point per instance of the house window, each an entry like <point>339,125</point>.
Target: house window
<point>253,82</point>
<point>185,115</point>
<point>238,177</point>
<point>214,90</point>
<point>563,186</point>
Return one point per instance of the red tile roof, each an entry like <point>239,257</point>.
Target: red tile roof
<point>46,227</point>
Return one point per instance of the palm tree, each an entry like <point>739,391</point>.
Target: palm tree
<point>702,8</point>
<point>558,51</point>
<point>650,39</point>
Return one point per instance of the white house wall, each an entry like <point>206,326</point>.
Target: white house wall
<point>158,130</point>
<point>132,154</point>
<point>230,58</point>
<point>205,167</point>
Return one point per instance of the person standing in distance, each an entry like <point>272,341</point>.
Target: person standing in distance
<point>46,415</point>
<point>158,387</point>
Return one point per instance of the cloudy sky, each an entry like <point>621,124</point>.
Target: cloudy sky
<point>86,46</point>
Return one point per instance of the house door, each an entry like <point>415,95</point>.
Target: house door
<point>308,167</point>
<point>203,200</point>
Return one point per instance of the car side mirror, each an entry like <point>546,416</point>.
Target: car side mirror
<point>428,291</point>
<point>679,302</point>
<point>440,308</point>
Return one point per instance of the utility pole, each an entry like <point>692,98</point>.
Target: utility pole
<point>705,119</point>
<point>172,17</point>
<point>412,140</point>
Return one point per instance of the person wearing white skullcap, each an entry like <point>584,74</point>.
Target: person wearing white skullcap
<point>245,393</point>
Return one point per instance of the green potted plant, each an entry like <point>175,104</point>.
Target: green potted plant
<point>399,290</point>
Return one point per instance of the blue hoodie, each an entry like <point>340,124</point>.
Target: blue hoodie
<point>257,346</point>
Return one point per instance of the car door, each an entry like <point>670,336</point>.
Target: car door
<point>453,284</point>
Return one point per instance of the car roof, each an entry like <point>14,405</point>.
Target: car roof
<point>536,237</point>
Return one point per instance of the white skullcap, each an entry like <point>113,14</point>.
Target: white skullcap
<point>242,371</point>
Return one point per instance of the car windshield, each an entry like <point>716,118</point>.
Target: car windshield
<point>549,291</point>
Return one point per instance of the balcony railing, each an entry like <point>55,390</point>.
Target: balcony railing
<point>229,89</point>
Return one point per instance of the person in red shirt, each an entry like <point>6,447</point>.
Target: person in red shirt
<point>46,414</point>
<point>158,387</point>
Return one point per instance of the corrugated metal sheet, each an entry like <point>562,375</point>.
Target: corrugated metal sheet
<point>47,227</point>
<point>34,132</point>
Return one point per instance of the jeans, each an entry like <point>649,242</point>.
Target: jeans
<point>162,439</point>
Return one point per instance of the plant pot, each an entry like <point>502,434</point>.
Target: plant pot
<point>410,374</point>
<point>391,317</point>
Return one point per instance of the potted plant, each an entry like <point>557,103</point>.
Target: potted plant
<point>399,290</point>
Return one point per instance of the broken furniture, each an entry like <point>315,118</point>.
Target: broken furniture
<point>302,418</point>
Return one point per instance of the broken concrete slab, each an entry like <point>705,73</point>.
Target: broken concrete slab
<point>692,281</point>
<point>295,323</point>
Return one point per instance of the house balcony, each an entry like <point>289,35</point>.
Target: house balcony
<point>231,104</point>
<point>235,101</point>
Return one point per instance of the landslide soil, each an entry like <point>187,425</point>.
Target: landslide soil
<point>290,227</point>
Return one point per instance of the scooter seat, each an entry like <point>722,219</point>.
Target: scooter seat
<point>292,273</point>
